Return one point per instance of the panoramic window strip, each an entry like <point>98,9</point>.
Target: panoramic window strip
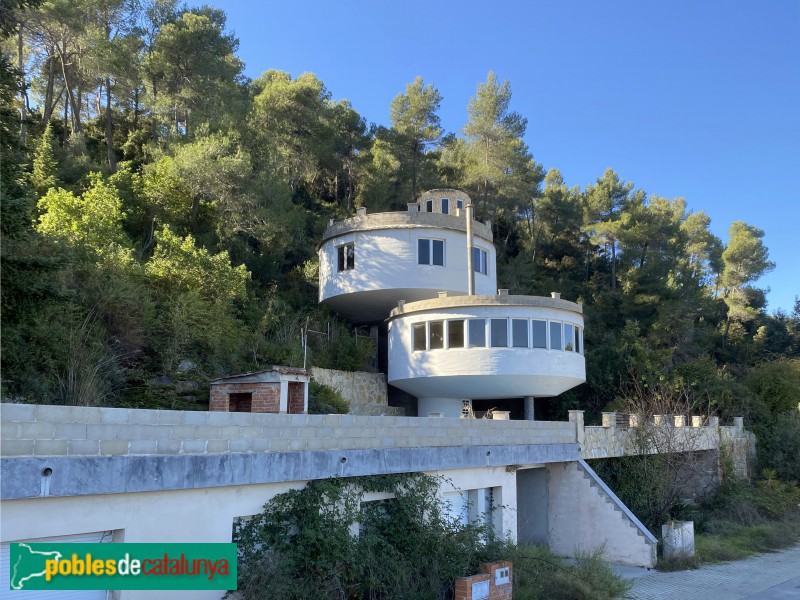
<point>497,332</point>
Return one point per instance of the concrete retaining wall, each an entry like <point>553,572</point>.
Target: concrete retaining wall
<point>42,430</point>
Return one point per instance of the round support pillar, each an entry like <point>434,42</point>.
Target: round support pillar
<point>529,406</point>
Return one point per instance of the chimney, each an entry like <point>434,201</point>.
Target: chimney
<point>555,295</point>
<point>442,294</point>
<point>502,292</point>
<point>413,207</point>
<point>401,304</point>
<point>361,211</point>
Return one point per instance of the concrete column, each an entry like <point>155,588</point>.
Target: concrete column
<point>680,421</point>
<point>738,423</point>
<point>697,421</point>
<point>283,404</point>
<point>529,408</point>
<point>610,420</point>
<point>576,416</point>
<point>713,421</point>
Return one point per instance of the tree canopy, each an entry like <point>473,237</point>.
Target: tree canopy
<point>161,209</point>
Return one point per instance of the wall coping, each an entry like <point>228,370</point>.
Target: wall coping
<point>405,220</point>
<point>475,300</point>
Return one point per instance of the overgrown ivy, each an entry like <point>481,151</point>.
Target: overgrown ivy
<point>328,541</point>
<point>391,537</point>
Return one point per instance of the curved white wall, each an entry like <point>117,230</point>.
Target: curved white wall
<point>386,269</point>
<point>483,372</point>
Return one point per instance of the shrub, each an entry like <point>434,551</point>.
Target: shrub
<point>324,400</point>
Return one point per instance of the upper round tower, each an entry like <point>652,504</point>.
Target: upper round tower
<point>369,262</point>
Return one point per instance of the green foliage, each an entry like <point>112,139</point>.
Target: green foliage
<point>92,221</point>
<point>45,165</point>
<point>538,575</point>
<point>178,265</point>
<point>327,541</point>
<point>324,400</point>
<point>778,446</point>
<point>332,540</point>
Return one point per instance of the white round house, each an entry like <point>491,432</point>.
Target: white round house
<point>369,262</point>
<point>451,349</point>
<point>429,277</point>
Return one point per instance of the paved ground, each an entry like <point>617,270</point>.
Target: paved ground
<point>774,576</point>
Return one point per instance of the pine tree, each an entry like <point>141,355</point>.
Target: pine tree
<point>44,164</point>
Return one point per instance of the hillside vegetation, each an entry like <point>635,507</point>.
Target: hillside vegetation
<point>160,213</point>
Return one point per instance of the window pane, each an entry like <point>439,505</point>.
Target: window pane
<point>579,340</point>
<point>479,260</point>
<point>437,335</point>
<point>519,333</point>
<point>429,206</point>
<point>350,255</point>
<point>455,334</point>
<point>445,206</point>
<point>477,332</point>
<point>340,255</point>
<point>555,335</point>
<point>460,204</point>
<point>419,336</point>
<point>438,252</point>
<point>424,252</point>
<point>569,343</point>
<point>499,333</point>
<point>539,334</point>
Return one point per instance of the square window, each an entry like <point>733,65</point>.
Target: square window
<point>555,335</point>
<point>455,334</point>
<point>499,333</point>
<point>477,333</point>
<point>346,257</point>
<point>436,329</point>
<point>430,252</point>
<point>539,334</point>
<point>460,204</point>
<point>519,333</point>
<point>445,206</point>
<point>429,206</point>
<point>419,336</point>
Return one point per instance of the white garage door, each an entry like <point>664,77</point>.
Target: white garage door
<point>5,564</point>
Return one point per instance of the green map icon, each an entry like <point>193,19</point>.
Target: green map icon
<point>28,564</point>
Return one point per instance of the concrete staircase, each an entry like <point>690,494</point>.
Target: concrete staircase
<point>585,514</point>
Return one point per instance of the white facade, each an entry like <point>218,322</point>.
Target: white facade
<point>369,262</point>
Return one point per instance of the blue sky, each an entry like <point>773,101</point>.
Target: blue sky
<point>689,99</point>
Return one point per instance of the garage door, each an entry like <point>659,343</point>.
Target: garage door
<point>5,569</point>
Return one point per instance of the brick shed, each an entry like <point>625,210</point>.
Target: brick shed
<point>274,390</point>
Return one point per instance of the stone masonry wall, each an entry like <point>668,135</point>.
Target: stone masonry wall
<point>42,430</point>
<point>367,393</point>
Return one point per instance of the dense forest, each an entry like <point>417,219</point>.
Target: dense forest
<point>160,213</point>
